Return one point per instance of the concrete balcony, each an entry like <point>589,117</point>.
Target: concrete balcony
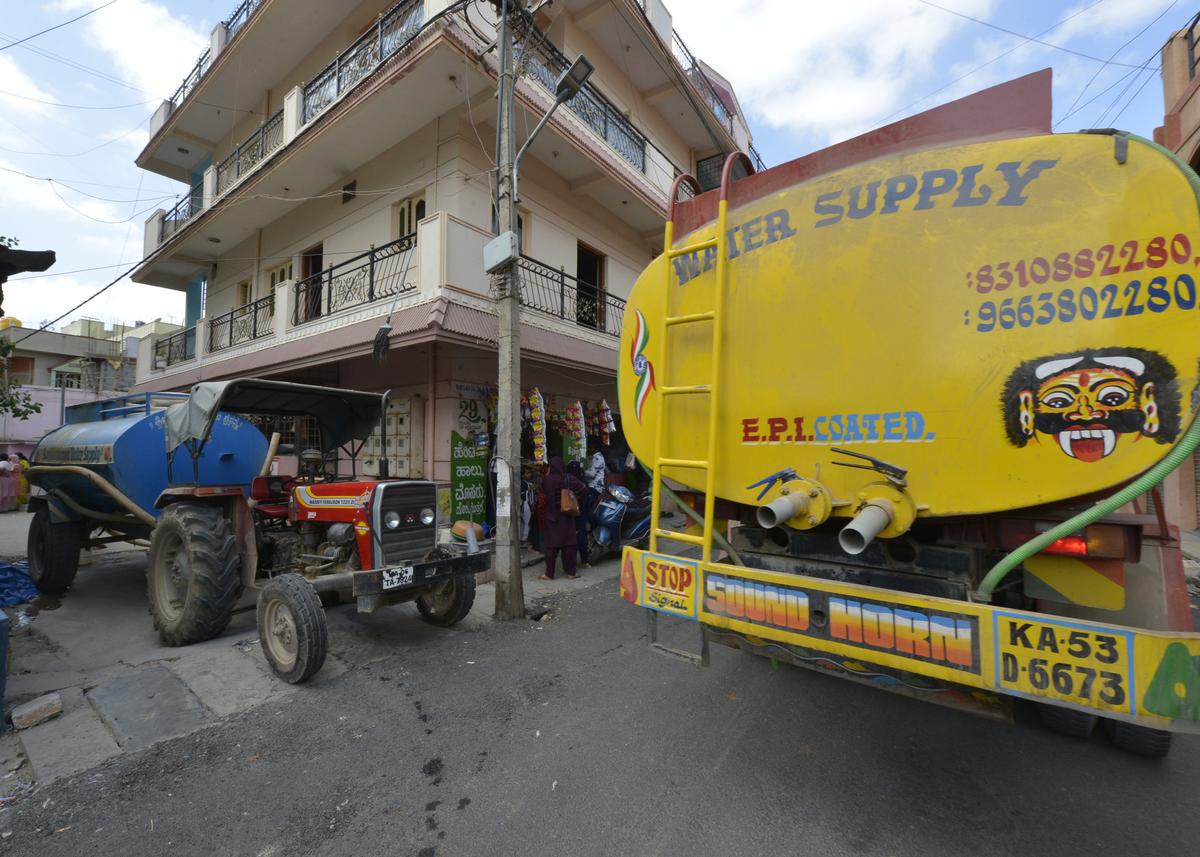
<point>431,285</point>
<point>398,76</point>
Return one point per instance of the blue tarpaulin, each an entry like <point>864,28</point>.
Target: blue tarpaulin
<point>15,585</point>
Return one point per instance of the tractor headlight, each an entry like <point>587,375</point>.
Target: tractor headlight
<point>391,520</point>
<point>427,516</point>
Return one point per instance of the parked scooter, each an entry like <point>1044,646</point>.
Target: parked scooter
<point>618,519</point>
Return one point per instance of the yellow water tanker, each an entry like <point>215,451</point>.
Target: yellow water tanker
<point>954,331</point>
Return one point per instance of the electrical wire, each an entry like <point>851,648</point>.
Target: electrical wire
<point>1102,92</point>
<point>984,23</point>
<point>74,106</point>
<point>1101,120</point>
<point>981,67</point>
<point>1132,98</point>
<point>57,26</point>
<point>136,200</point>
<point>82,213</point>
<point>46,325</point>
<point>1109,61</point>
<point>108,142</point>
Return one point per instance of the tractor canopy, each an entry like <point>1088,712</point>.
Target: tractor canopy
<point>344,416</point>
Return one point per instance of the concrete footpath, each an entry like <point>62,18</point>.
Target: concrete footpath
<point>122,691</point>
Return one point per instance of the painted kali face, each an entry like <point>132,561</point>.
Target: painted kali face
<point>1086,410</point>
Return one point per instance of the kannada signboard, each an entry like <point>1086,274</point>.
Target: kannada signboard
<point>468,479</point>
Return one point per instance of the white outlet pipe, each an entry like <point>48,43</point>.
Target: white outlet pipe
<point>865,526</point>
<point>781,510</point>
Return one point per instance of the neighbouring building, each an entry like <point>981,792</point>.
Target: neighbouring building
<point>340,160</point>
<point>1180,132</point>
<point>84,362</point>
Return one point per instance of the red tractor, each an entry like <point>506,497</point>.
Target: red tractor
<point>320,536</point>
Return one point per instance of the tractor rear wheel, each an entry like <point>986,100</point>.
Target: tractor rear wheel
<point>292,628</point>
<point>53,552</point>
<point>192,577</point>
<point>446,604</point>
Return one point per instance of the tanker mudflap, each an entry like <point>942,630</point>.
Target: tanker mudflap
<point>1151,678</point>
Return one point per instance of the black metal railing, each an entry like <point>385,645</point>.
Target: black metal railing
<point>239,17</point>
<point>695,73</point>
<point>382,272</point>
<point>557,293</point>
<point>189,204</point>
<point>265,140</point>
<point>759,164</point>
<point>243,324</point>
<point>176,348</point>
<point>233,24</point>
<point>394,29</point>
<point>543,62</point>
<point>193,78</point>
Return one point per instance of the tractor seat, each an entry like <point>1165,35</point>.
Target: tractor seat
<point>271,495</point>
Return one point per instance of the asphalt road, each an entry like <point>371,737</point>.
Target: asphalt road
<point>571,738</point>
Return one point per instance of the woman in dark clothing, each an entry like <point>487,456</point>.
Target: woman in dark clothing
<point>558,537</point>
<point>583,522</point>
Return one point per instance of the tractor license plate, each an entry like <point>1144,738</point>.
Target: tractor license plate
<point>399,576</point>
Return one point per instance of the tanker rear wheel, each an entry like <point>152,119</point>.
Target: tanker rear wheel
<point>53,551</point>
<point>192,576</point>
<point>1141,740</point>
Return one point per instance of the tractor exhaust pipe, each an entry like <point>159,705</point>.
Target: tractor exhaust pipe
<point>781,510</point>
<point>865,526</point>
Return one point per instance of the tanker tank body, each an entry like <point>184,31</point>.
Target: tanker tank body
<point>913,400</point>
<point>106,467</point>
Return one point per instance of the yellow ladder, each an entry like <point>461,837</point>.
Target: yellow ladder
<point>711,389</point>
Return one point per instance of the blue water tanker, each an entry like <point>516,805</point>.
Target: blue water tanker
<point>123,441</point>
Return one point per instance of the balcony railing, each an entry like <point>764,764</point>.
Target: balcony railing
<point>254,149</point>
<point>557,293</point>
<point>193,78</point>
<point>692,68</point>
<point>243,324</point>
<point>394,29</point>
<point>188,206</point>
<point>175,348</point>
<point>383,272</point>
<point>233,24</point>
<point>543,62</point>
<point>240,16</point>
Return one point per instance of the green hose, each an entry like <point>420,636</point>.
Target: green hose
<point>1186,446</point>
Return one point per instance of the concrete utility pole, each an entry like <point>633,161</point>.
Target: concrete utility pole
<point>510,589</point>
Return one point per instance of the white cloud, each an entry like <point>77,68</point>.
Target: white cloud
<point>21,195</point>
<point>1108,18</point>
<point>14,80</point>
<point>41,299</point>
<point>828,70</point>
<point>150,46</point>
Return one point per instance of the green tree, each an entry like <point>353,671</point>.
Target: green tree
<point>14,400</point>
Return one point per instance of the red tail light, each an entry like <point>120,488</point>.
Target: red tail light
<point>1068,546</point>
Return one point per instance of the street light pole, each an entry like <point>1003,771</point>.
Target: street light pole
<point>501,257</point>
<point>510,590</point>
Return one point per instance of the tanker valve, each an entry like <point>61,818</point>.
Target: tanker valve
<point>782,509</point>
<point>870,521</point>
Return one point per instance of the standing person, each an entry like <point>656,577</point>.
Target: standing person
<point>20,464</point>
<point>8,486</point>
<point>558,536</point>
<point>584,522</point>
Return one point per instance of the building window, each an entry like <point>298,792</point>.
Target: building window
<point>308,297</point>
<point>407,214</point>
<point>708,171</point>
<point>589,288</point>
<point>520,227</point>
<point>280,275</point>
<point>242,294</point>
<point>20,370</point>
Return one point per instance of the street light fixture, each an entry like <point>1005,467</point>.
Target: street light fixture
<point>572,80</point>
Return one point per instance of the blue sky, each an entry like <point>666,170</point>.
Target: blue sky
<point>807,74</point>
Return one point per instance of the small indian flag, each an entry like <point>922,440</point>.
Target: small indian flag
<point>642,367</point>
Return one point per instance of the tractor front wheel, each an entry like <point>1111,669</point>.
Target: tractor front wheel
<point>292,628</point>
<point>447,603</point>
<point>192,577</point>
